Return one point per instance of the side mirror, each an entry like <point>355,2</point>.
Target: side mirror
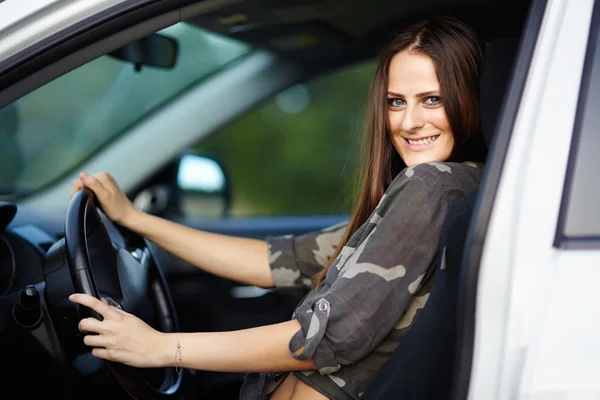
<point>154,50</point>
<point>203,186</point>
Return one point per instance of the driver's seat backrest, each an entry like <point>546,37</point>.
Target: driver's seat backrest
<point>422,366</point>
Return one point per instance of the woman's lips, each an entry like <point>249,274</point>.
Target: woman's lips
<point>421,147</point>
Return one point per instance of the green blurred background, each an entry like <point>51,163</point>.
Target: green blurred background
<point>297,154</point>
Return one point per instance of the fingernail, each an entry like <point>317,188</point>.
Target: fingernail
<point>84,175</point>
<point>71,297</point>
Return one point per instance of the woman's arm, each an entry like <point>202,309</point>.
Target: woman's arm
<point>261,349</point>
<point>238,259</point>
<point>125,338</point>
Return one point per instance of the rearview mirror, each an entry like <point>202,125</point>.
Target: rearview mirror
<point>154,51</point>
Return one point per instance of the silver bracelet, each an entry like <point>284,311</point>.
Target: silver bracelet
<point>177,355</point>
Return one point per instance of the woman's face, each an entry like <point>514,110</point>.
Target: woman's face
<point>418,124</point>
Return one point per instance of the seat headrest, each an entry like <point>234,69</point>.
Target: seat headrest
<point>499,57</point>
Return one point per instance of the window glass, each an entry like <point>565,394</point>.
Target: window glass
<point>581,215</point>
<point>50,131</point>
<point>297,153</point>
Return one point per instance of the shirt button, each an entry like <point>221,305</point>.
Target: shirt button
<point>322,306</point>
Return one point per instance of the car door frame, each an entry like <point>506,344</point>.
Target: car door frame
<point>515,251</point>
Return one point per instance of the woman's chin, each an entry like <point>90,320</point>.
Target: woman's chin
<point>415,159</point>
<point>439,152</point>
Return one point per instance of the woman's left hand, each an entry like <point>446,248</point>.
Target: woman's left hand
<point>121,336</point>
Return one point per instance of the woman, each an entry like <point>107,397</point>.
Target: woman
<point>373,274</point>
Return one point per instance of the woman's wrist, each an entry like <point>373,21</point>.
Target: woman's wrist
<point>168,351</point>
<point>131,219</point>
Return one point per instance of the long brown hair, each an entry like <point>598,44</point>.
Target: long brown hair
<point>456,53</point>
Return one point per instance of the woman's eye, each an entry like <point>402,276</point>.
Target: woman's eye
<point>395,102</point>
<point>433,101</point>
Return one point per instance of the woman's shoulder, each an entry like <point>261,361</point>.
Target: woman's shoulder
<point>445,173</point>
<point>439,176</point>
<point>428,186</point>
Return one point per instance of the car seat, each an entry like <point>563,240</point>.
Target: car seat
<point>423,366</point>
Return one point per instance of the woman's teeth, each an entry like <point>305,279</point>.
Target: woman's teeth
<point>423,142</point>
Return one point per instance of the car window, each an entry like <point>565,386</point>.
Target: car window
<point>296,154</point>
<point>50,131</point>
<point>580,215</point>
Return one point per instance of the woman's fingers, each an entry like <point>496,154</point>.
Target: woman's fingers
<point>96,341</point>
<point>107,181</point>
<point>113,201</point>
<point>91,302</point>
<point>76,186</point>
<point>100,353</point>
<point>91,181</point>
<point>91,325</point>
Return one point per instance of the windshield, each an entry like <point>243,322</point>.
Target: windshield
<point>52,130</point>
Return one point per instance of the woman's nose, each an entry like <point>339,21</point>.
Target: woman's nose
<point>412,119</point>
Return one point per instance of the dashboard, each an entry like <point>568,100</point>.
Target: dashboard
<point>23,247</point>
<point>26,325</point>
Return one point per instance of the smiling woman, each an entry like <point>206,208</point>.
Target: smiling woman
<point>373,275</point>
<point>433,112</point>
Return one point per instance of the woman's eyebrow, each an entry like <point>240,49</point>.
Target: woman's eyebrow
<point>423,94</point>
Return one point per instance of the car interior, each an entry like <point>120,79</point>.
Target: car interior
<point>37,324</point>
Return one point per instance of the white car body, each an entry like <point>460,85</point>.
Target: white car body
<point>24,24</point>
<point>536,335</point>
<point>537,327</point>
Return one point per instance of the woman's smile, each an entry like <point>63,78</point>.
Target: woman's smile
<point>422,143</point>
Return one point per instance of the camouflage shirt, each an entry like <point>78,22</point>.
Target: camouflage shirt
<point>356,317</point>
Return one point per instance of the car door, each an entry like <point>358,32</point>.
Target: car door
<point>536,326</point>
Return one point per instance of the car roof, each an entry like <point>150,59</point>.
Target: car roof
<point>14,11</point>
<point>293,28</point>
<point>28,23</point>
<point>320,29</point>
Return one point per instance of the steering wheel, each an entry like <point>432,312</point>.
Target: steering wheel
<point>133,282</point>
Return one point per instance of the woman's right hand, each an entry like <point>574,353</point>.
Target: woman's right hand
<point>113,201</point>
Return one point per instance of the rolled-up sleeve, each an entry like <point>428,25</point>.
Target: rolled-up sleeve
<point>368,288</point>
<point>296,260</point>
